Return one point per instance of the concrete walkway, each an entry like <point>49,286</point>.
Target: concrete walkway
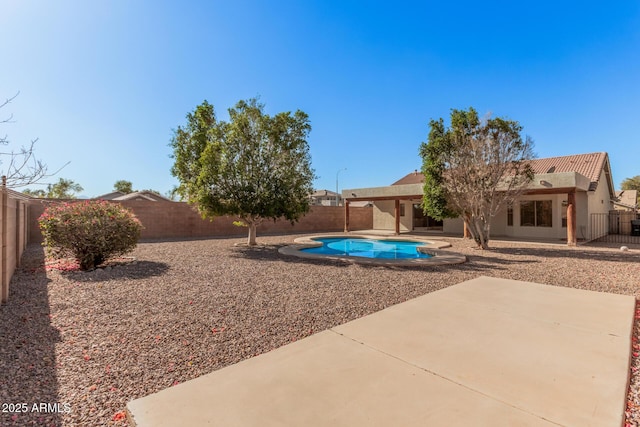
<point>486,352</point>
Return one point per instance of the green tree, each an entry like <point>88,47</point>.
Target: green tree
<point>254,167</point>
<point>123,186</point>
<point>35,193</point>
<point>63,189</point>
<point>631,183</point>
<point>474,168</point>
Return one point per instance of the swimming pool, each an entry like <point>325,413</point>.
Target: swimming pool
<point>373,249</point>
<point>368,248</point>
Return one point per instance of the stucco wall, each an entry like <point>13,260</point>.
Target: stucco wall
<point>557,231</point>
<point>582,215</point>
<point>164,220</point>
<point>453,226</point>
<point>384,215</point>
<point>599,201</point>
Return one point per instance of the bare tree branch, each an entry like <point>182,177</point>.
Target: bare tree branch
<point>21,167</point>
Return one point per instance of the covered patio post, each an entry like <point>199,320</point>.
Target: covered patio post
<point>571,219</point>
<point>346,216</point>
<point>397,216</point>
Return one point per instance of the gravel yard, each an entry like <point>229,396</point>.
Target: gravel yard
<point>92,341</point>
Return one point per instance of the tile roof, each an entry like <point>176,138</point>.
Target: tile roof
<point>414,177</point>
<point>627,197</point>
<point>590,165</point>
<point>110,196</point>
<point>18,195</point>
<point>144,194</point>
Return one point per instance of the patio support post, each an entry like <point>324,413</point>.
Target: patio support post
<point>346,216</point>
<point>397,216</point>
<point>571,219</point>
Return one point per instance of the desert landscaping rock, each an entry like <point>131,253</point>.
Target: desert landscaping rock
<point>92,341</point>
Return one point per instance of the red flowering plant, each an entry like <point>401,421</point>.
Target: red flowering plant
<point>89,231</point>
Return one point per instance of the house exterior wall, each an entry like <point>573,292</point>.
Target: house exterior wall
<point>582,215</point>
<point>499,224</point>
<point>587,203</point>
<point>556,231</point>
<point>384,215</point>
<point>599,201</point>
<point>499,227</point>
<point>453,226</point>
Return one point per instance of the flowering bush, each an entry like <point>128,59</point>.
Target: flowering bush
<point>90,231</point>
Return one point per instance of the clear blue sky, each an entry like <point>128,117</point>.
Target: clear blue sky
<point>103,83</point>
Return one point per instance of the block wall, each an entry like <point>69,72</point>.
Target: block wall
<point>13,223</point>
<point>175,220</point>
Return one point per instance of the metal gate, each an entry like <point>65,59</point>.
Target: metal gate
<point>615,227</point>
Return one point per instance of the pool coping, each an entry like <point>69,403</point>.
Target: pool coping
<point>438,256</point>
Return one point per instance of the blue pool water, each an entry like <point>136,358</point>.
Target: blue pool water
<point>368,248</point>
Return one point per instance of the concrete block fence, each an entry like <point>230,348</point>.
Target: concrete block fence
<point>179,220</point>
<point>13,234</point>
<point>161,220</point>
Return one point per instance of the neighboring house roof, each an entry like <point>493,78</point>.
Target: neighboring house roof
<point>18,195</point>
<point>414,177</point>
<point>627,198</point>
<point>110,196</point>
<point>324,193</point>
<point>143,195</point>
<point>589,165</point>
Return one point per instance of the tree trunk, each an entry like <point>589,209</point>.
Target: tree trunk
<point>486,228</point>
<point>479,230</point>
<point>251,240</point>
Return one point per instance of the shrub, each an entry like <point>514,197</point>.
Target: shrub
<point>90,231</point>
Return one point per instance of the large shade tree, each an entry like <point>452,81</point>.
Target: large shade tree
<point>474,168</point>
<point>253,167</point>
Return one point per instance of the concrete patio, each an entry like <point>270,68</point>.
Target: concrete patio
<point>484,352</point>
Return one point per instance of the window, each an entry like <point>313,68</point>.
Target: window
<point>536,213</point>
<point>401,209</point>
<point>564,213</point>
<point>510,215</point>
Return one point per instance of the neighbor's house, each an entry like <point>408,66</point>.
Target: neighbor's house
<point>325,198</point>
<point>626,200</point>
<point>583,181</point>
<point>328,198</point>
<point>136,195</point>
